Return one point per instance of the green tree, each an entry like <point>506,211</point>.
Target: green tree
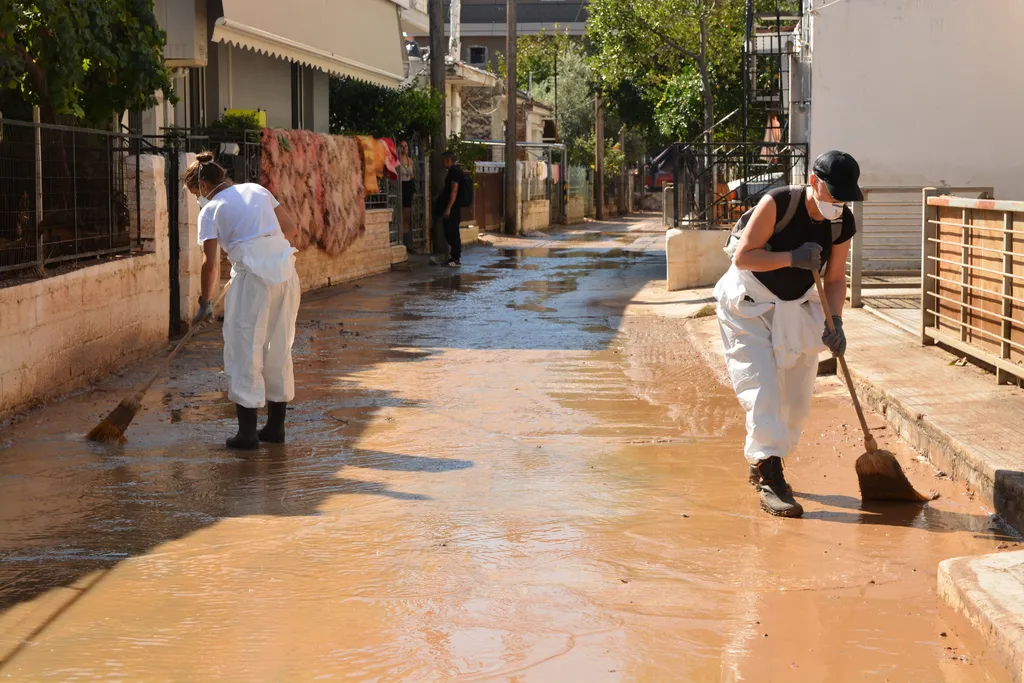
<point>84,58</point>
<point>649,41</point>
<point>361,108</point>
<point>575,105</point>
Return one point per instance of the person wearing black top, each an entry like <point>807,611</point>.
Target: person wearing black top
<point>448,206</point>
<point>771,319</point>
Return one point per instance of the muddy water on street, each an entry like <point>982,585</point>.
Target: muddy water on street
<point>493,474</point>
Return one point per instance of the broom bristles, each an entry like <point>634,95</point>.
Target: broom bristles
<point>113,426</point>
<point>881,478</point>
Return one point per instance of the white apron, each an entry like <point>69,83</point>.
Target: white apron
<point>259,321</point>
<point>771,353</point>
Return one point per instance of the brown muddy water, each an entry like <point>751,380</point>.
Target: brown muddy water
<point>495,474</point>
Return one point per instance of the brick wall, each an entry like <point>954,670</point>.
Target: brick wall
<point>60,332</point>
<point>370,254</point>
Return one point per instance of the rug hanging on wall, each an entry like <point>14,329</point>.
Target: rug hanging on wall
<point>318,179</point>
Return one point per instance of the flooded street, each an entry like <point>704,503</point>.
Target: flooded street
<point>518,471</point>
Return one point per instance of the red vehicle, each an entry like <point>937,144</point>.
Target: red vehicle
<point>656,180</point>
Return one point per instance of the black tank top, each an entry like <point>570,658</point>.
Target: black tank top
<point>792,283</point>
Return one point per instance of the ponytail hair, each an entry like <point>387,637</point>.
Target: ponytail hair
<point>204,169</point>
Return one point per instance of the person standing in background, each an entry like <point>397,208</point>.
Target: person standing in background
<point>450,207</point>
<point>406,174</point>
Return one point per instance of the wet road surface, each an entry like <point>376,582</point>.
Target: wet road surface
<point>500,473</point>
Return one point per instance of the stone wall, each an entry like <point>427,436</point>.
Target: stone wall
<point>478,113</point>
<point>60,332</point>
<point>370,254</point>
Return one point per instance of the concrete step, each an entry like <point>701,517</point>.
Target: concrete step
<point>986,593</point>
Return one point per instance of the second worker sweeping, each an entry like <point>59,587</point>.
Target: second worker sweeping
<point>263,302</point>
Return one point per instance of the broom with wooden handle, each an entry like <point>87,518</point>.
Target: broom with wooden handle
<point>112,428</point>
<point>878,472</point>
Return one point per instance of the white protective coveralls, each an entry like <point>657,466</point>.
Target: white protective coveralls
<point>771,353</point>
<point>259,321</point>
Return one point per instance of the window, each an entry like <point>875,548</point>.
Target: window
<point>298,97</point>
<point>478,55</point>
<point>196,98</point>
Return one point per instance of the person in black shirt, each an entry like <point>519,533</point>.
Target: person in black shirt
<point>451,212</point>
<point>771,318</point>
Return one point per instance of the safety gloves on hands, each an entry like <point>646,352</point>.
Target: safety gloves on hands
<point>835,341</point>
<point>808,257</point>
<point>204,313</point>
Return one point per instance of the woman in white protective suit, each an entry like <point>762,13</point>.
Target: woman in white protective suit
<point>263,301</point>
<point>771,318</point>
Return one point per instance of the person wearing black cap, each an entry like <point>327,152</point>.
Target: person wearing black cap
<point>770,316</point>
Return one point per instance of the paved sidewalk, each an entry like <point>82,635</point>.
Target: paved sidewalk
<point>965,423</point>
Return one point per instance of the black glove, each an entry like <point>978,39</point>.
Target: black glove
<point>835,341</point>
<point>808,257</point>
<point>204,313</point>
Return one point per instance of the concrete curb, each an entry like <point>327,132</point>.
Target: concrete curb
<point>1002,490</point>
<point>987,591</point>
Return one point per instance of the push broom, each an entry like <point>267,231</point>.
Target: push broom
<point>114,425</point>
<point>879,473</point>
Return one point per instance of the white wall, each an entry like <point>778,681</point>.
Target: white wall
<point>255,82</point>
<point>922,92</point>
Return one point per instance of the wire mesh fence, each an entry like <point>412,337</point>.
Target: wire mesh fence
<point>63,195</point>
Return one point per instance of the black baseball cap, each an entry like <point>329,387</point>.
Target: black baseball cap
<point>840,172</point>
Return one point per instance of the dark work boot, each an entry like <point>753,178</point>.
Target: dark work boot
<point>776,495</point>
<point>274,431</point>
<point>246,439</point>
<point>755,479</point>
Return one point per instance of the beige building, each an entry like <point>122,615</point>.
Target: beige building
<point>277,56</point>
<point>921,92</point>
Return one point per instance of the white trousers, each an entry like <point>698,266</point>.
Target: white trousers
<point>773,378</point>
<point>259,330</point>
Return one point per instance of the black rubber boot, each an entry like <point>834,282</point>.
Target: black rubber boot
<point>776,494</point>
<point>246,439</point>
<point>274,431</point>
<point>755,479</point>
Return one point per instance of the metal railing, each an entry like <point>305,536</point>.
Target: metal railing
<point>718,182</point>
<point>885,252</point>
<point>972,286</point>
<point>63,195</point>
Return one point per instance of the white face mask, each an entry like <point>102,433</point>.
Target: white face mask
<point>204,200</point>
<point>829,210</point>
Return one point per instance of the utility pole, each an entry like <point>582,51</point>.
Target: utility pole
<point>599,153</point>
<point>512,91</point>
<point>437,67</point>
<point>624,176</point>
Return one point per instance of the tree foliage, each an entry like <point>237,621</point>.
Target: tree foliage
<point>361,108</point>
<point>88,59</point>
<point>671,50</point>
<point>575,105</point>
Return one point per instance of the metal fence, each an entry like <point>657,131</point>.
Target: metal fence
<point>390,197</point>
<point>718,182</point>
<point>239,152</point>
<point>885,253</point>
<point>972,292</point>
<point>63,194</point>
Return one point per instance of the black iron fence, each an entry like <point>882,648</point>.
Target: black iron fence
<point>412,228</point>
<point>63,195</point>
<point>238,151</point>
<point>714,184</point>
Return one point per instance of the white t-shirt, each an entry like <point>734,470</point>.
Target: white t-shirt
<point>238,214</point>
